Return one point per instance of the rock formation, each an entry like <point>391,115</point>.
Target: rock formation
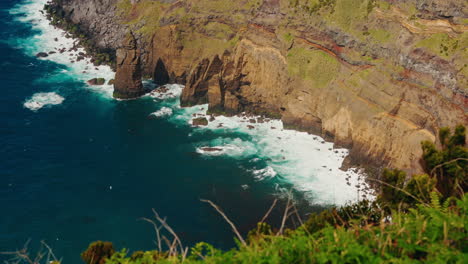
<point>127,82</point>
<point>377,77</point>
<point>97,81</point>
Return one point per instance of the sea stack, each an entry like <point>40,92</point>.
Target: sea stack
<point>127,83</point>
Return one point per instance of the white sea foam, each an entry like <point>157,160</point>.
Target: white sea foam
<point>262,174</point>
<point>306,161</point>
<point>235,148</point>
<point>303,160</point>
<point>168,91</point>
<point>51,39</point>
<point>39,100</point>
<point>164,111</point>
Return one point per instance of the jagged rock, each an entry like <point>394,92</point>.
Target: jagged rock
<point>378,97</point>
<point>96,81</point>
<point>42,55</point>
<point>127,83</point>
<point>200,121</point>
<point>111,82</point>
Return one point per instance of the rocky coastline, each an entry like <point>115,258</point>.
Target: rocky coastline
<point>378,93</point>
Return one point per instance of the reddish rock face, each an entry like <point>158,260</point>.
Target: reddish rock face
<point>378,95</point>
<point>127,83</point>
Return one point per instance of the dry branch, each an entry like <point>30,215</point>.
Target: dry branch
<point>168,228</point>
<point>269,211</point>
<point>157,230</point>
<point>285,215</point>
<point>234,229</point>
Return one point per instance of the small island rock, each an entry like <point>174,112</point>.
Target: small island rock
<point>200,121</point>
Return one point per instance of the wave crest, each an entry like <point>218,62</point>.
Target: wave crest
<point>39,100</point>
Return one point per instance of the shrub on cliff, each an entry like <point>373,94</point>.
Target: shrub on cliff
<point>98,252</point>
<point>449,165</point>
<point>446,173</point>
<point>413,220</point>
<point>434,234</point>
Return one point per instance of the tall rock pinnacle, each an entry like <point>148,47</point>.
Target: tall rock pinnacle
<point>128,76</point>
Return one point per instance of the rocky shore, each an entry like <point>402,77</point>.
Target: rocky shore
<point>377,77</point>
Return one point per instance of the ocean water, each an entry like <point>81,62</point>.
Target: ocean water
<point>78,166</point>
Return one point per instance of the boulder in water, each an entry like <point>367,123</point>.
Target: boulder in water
<point>200,121</point>
<point>211,149</point>
<point>42,55</point>
<point>97,81</point>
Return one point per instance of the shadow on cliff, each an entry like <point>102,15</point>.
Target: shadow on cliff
<point>161,76</point>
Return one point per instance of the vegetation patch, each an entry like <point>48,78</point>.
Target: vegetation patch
<point>312,6</point>
<point>223,6</point>
<point>315,65</point>
<point>443,45</point>
<point>219,30</point>
<point>380,35</point>
<point>144,15</point>
<point>347,13</point>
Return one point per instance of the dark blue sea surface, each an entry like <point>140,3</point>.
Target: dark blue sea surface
<point>89,167</point>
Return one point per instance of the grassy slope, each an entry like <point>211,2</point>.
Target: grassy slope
<point>428,233</point>
<point>360,19</point>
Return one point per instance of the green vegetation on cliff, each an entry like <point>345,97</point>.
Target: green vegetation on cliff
<point>427,233</point>
<point>315,65</point>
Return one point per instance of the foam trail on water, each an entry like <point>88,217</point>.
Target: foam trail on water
<point>233,147</point>
<point>306,161</point>
<point>39,100</point>
<point>262,174</point>
<point>164,111</point>
<point>54,40</point>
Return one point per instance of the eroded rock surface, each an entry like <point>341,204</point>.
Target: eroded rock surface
<point>377,77</point>
<point>127,82</point>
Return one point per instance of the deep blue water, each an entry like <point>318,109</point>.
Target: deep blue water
<point>57,166</point>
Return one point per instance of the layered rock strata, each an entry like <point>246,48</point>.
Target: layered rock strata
<point>375,76</point>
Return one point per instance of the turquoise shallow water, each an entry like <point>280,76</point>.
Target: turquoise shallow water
<point>86,167</point>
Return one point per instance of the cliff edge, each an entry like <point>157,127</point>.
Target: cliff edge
<point>374,76</point>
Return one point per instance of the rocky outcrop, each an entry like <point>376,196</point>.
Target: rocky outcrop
<point>200,121</point>
<point>97,81</point>
<point>377,77</point>
<point>127,82</point>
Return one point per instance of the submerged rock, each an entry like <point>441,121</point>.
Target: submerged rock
<point>127,83</point>
<point>211,149</point>
<point>42,55</point>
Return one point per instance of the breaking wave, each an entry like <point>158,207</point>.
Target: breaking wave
<point>39,100</point>
<point>306,162</point>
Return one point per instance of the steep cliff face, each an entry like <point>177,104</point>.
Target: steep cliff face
<point>127,83</point>
<point>375,76</point>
